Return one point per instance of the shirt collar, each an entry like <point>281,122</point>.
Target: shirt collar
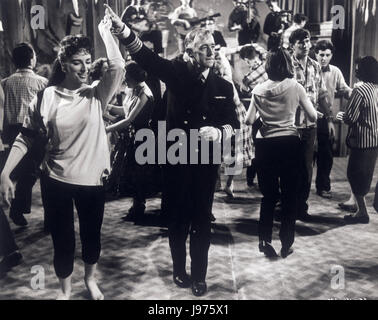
<point>21,70</point>
<point>326,69</point>
<point>205,74</point>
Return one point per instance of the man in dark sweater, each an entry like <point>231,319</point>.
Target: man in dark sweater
<point>197,100</point>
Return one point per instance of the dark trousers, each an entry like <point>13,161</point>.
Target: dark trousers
<point>7,243</point>
<point>277,169</point>
<point>188,201</point>
<point>360,170</point>
<point>251,172</point>
<point>25,175</point>
<point>59,199</point>
<point>306,151</point>
<point>324,160</point>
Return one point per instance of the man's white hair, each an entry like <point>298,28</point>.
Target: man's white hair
<point>195,36</point>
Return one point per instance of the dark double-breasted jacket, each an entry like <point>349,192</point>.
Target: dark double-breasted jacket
<point>191,104</point>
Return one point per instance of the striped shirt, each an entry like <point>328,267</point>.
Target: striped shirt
<point>19,90</point>
<point>361,116</point>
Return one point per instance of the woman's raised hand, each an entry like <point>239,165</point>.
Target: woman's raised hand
<point>105,26</point>
<point>117,23</point>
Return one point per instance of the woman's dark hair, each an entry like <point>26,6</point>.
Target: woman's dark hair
<point>279,65</point>
<point>96,71</point>
<point>135,72</point>
<point>367,69</point>
<point>69,46</point>
<point>274,41</point>
<point>22,55</point>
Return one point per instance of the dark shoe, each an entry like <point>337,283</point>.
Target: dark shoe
<point>250,184</point>
<point>182,281</point>
<point>304,217</point>
<point>10,261</point>
<point>212,218</point>
<point>286,252</point>
<point>324,194</point>
<point>350,219</point>
<point>267,249</point>
<point>348,207</point>
<point>199,288</point>
<point>135,214</point>
<point>18,219</point>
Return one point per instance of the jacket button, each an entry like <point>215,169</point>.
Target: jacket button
<point>188,111</point>
<point>204,118</point>
<point>185,122</point>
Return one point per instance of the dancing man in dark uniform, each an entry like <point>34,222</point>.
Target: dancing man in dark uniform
<point>197,99</point>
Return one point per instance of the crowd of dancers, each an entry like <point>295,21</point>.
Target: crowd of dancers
<point>61,130</point>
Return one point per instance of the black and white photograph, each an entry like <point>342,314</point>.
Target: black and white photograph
<point>188,155</point>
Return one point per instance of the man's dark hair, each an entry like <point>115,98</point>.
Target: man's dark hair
<point>299,35</point>
<point>22,55</point>
<point>367,69</point>
<point>247,52</point>
<point>279,65</point>
<point>324,45</point>
<point>299,18</point>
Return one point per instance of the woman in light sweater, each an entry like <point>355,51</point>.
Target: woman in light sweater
<point>77,156</point>
<point>277,147</point>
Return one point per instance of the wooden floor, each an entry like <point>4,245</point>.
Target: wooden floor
<point>331,260</point>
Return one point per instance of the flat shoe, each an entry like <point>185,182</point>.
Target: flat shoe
<point>229,192</point>
<point>286,252</point>
<point>349,219</point>
<point>267,249</point>
<point>18,219</point>
<point>199,288</point>
<point>348,207</point>
<point>182,281</point>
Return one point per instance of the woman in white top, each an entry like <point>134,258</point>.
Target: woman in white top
<point>77,156</point>
<point>277,147</point>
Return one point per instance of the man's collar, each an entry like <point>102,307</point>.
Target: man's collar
<point>25,70</point>
<point>205,74</point>
<point>326,69</point>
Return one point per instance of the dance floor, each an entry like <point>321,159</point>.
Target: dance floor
<point>331,260</point>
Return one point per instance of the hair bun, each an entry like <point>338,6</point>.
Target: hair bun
<point>274,42</point>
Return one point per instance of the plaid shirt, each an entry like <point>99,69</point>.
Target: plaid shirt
<point>19,90</point>
<point>257,73</point>
<point>311,78</point>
